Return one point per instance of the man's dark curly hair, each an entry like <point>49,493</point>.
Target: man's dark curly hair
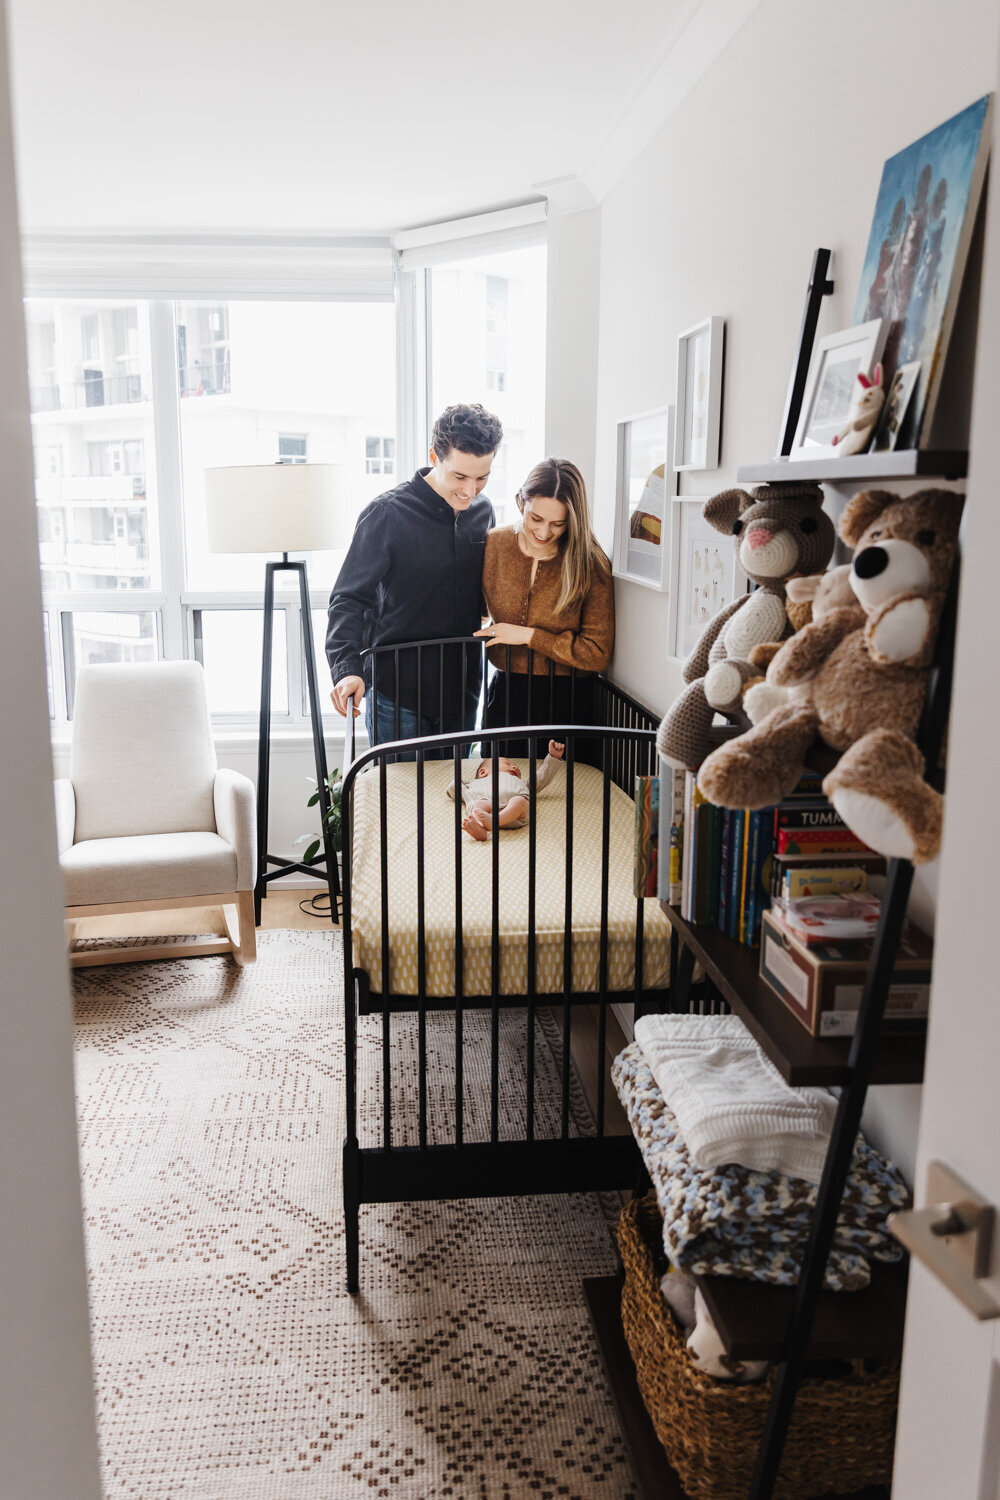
<point>470,429</point>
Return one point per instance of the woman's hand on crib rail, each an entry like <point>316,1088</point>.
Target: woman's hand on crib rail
<point>499,634</point>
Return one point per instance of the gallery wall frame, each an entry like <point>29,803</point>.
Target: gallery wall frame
<point>644,485</point>
<point>698,421</point>
<point>705,574</point>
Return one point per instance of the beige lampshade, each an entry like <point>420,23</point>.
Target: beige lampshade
<point>277,508</point>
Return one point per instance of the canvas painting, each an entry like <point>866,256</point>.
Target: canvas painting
<point>917,249</point>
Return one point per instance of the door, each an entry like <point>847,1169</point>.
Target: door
<point>948,1444</point>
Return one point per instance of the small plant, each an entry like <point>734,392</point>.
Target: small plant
<point>335,790</point>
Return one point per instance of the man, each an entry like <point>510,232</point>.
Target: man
<point>414,572</point>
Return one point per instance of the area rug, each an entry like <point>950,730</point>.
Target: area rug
<point>231,1363</point>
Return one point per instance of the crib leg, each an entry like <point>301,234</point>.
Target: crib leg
<point>352,1213</point>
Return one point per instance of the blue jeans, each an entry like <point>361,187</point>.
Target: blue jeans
<point>411,726</point>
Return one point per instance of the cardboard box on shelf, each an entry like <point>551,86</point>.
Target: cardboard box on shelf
<point>822,984</point>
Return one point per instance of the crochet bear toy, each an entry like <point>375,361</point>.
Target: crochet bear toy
<point>778,531</point>
<point>863,685</point>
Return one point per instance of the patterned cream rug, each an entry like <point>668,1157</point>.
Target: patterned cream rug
<point>231,1362</point>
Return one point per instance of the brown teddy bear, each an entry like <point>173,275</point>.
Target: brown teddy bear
<point>778,531</point>
<point>864,685</point>
<point>808,599</point>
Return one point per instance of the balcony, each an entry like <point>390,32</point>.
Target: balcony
<point>96,389</point>
<point>205,378</point>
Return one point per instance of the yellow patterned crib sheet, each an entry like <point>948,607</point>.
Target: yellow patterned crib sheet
<point>477,890</point>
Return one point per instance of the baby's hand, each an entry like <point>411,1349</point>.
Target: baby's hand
<point>556,749</point>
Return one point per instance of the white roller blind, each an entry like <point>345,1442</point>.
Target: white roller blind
<point>480,234</point>
<point>269,267</point>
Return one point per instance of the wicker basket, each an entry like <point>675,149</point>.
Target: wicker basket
<point>841,1435</point>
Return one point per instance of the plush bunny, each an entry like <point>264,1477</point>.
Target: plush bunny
<point>862,685</point>
<point>778,531</point>
<point>855,437</point>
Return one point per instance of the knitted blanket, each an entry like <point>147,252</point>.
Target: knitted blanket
<point>730,1221</point>
<point>731,1104</point>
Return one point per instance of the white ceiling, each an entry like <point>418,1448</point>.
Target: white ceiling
<point>303,115</point>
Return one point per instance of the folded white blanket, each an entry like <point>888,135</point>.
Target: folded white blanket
<point>731,1103</point>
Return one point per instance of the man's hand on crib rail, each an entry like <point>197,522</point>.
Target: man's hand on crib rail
<point>348,687</point>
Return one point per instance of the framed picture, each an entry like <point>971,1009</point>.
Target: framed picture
<point>832,386</point>
<point>894,419</point>
<point>699,395</point>
<point>644,484</point>
<point>917,249</point>
<point>705,575</point>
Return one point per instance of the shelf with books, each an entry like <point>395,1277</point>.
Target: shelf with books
<point>801,1059</point>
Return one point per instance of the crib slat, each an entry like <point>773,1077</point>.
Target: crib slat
<point>531,686</point>
<point>506,689</point>
<point>395,712</point>
<point>386,976</point>
<point>459,952</point>
<point>495,945</point>
<point>552,691</point>
<point>568,934</point>
<point>531,986</point>
<point>602,978</point>
<point>421,955</point>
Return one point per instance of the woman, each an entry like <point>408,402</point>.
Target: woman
<point>547,585</point>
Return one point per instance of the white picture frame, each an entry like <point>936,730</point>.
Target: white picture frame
<point>705,574</point>
<point>832,386</point>
<point>644,484</point>
<point>698,422</point>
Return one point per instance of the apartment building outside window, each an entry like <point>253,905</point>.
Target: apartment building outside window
<point>249,382</point>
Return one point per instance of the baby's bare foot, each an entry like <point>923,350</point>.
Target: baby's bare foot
<point>473,826</point>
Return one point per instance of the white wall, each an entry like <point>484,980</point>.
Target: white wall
<point>571,339</point>
<point>779,149</point>
<point>48,1445</point>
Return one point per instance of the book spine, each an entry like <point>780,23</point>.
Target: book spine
<point>739,824</point>
<point>808,815</point>
<point>714,866</point>
<point>677,839</point>
<point>688,845</point>
<point>725,867</point>
<point>819,841</point>
<point>663,834</point>
<point>699,879</point>
<point>741,924</point>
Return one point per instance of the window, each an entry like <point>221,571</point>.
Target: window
<point>380,455</point>
<point>485,317</point>
<point>292,447</point>
<point>245,382</point>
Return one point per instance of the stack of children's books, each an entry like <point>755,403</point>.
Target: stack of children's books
<point>725,865</point>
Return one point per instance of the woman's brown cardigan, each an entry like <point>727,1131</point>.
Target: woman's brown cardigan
<point>582,636</point>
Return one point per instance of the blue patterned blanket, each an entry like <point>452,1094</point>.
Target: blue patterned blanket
<point>734,1222</point>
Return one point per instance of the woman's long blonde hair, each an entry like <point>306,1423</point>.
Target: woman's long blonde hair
<point>582,555</point>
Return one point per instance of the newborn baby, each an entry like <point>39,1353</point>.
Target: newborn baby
<point>511,794</point>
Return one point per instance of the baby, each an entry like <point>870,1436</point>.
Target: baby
<point>511,793</point>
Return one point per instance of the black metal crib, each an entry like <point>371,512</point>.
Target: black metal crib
<point>433,1158</point>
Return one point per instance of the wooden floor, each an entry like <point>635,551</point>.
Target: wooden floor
<point>281,909</point>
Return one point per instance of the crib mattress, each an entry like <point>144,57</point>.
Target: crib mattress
<point>477,890</point>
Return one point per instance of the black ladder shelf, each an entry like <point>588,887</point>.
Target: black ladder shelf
<point>816,1324</point>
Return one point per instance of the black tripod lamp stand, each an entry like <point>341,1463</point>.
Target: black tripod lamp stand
<point>283,508</point>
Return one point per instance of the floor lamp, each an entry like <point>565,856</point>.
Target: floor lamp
<point>282,508</point>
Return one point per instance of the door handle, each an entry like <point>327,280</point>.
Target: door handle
<point>952,1237</point>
